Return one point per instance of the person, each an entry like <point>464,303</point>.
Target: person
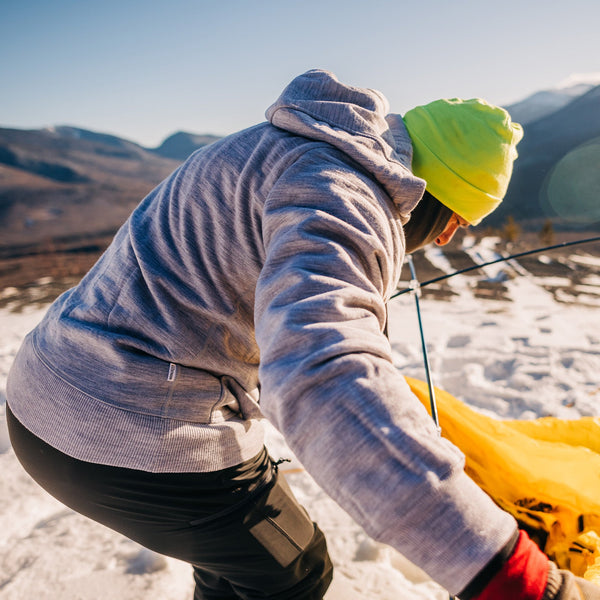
<point>252,283</point>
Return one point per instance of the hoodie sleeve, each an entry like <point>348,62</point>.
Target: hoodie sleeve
<point>332,250</point>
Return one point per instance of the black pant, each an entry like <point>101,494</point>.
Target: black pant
<point>241,528</point>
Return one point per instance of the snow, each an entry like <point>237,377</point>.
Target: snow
<point>586,260</point>
<point>524,357</point>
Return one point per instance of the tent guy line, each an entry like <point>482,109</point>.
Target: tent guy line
<point>411,287</point>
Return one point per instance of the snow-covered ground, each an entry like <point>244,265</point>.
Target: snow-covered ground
<point>522,358</point>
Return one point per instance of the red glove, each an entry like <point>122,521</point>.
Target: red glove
<point>522,577</point>
<point>527,574</point>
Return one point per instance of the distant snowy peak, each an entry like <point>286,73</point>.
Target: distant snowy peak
<point>587,80</point>
<point>545,102</point>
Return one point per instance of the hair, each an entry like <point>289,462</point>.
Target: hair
<point>427,220</point>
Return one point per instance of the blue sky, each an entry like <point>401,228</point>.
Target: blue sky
<point>145,69</point>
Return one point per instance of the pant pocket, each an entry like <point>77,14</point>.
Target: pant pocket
<point>280,524</point>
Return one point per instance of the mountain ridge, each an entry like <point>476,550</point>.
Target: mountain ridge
<point>66,183</point>
<point>54,184</point>
<point>542,103</point>
<point>546,142</point>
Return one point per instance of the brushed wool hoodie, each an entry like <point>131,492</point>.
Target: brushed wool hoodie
<point>252,283</point>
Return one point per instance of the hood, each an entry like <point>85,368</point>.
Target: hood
<point>317,106</point>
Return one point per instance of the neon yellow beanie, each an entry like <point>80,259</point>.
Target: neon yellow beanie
<point>464,150</point>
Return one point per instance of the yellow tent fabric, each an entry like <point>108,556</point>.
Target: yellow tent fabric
<point>545,472</point>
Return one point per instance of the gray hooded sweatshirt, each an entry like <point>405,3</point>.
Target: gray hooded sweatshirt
<point>253,283</point>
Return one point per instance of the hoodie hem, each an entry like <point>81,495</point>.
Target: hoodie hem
<point>96,431</point>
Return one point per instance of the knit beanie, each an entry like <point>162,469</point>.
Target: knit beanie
<point>464,150</point>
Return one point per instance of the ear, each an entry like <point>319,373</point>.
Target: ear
<point>453,224</point>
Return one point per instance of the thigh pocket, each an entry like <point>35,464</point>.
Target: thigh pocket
<point>280,524</point>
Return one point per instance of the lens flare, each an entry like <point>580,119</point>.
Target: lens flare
<point>571,190</point>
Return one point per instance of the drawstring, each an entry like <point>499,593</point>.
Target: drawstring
<point>276,463</point>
